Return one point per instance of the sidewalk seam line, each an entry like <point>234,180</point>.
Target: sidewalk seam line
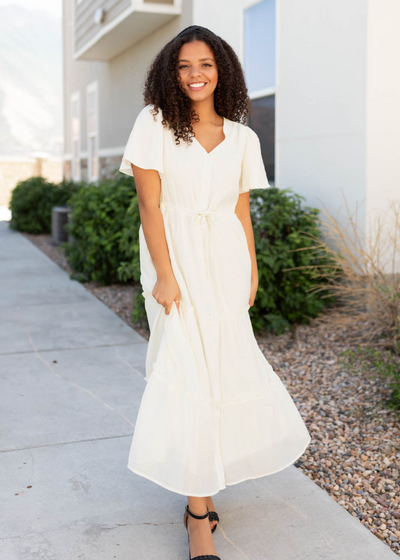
<point>63,443</point>
<point>75,348</point>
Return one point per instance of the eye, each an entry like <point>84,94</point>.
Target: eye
<point>183,65</point>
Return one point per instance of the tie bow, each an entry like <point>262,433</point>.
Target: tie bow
<point>202,217</point>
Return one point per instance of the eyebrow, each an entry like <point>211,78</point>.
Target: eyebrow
<point>184,60</point>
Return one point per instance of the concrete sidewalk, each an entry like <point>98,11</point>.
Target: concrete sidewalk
<point>71,382</point>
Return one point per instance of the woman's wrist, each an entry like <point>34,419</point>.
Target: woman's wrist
<point>165,274</point>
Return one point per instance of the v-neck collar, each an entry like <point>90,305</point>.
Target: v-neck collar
<point>218,145</point>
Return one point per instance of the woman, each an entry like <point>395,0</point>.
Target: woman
<point>213,413</point>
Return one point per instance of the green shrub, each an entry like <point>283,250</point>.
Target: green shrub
<point>67,189</point>
<point>97,224</point>
<point>32,200</point>
<point>31,203</point>
<point>283,297</point>
<point>139,311</point>
<point>129,267</point>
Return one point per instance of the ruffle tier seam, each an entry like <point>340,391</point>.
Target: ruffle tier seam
<point>265,394</point>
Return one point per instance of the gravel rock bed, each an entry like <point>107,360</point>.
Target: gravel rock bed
<point>354,454</point>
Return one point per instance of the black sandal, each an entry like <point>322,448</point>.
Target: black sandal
<point>202,557</point>
<point>213,516</point>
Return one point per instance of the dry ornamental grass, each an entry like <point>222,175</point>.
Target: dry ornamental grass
<point>366,277</point>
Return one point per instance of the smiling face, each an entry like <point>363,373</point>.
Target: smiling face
<point>197,70</point>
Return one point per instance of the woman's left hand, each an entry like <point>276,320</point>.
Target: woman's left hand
<point>253,290</point>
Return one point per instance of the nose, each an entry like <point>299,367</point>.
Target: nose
<point>195,72</point>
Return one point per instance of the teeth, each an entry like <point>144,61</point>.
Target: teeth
<point>200,84</point>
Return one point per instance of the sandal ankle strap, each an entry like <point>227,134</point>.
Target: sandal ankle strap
<point>197,516</point>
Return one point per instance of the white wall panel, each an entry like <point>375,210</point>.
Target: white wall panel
<point>321,99</point>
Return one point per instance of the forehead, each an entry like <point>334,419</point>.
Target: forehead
<point>196,50</point>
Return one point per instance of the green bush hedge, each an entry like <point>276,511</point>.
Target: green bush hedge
<point>283,297</point>
<point>129,267</point>
<point>98,222</point>
<point>32,200</point>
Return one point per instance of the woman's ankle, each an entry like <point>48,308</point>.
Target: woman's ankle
<point>198,506</point>
<point>199,512</point>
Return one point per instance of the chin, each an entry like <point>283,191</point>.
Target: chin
<point>199,96</point>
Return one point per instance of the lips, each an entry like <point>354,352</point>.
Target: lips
<point>197,88</point>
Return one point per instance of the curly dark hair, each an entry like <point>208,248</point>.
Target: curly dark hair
<point>162,88</point>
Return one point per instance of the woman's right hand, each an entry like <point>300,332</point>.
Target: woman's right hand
<point>166,291</point>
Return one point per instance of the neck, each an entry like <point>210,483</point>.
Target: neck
<point>205,109</point>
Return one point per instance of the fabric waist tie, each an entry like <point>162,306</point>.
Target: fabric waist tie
<point>204,219</point>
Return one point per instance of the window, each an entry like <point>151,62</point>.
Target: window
<point>92,130</point>
<point>259,55</point>
<point>75,131</point>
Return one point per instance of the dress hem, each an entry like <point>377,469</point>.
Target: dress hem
<point>227,484</point>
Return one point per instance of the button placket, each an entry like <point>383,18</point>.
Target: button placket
<point>204,218</point>
<point>216,382</point>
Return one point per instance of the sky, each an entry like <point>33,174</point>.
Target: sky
<point>52,7</point>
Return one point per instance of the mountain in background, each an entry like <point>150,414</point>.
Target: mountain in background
<point>31,102</point>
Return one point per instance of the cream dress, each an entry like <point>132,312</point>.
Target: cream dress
<point>213,412</point>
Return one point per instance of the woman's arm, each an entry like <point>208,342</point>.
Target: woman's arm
<point>243,213</point>
<point>148,188</point>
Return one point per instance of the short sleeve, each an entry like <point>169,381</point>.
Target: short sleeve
<point>145,143</point>
<point>253,175</point>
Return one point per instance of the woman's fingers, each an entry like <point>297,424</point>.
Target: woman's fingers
<point>168,304</point>
<point>166,292</point>
<point>169,307</point>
